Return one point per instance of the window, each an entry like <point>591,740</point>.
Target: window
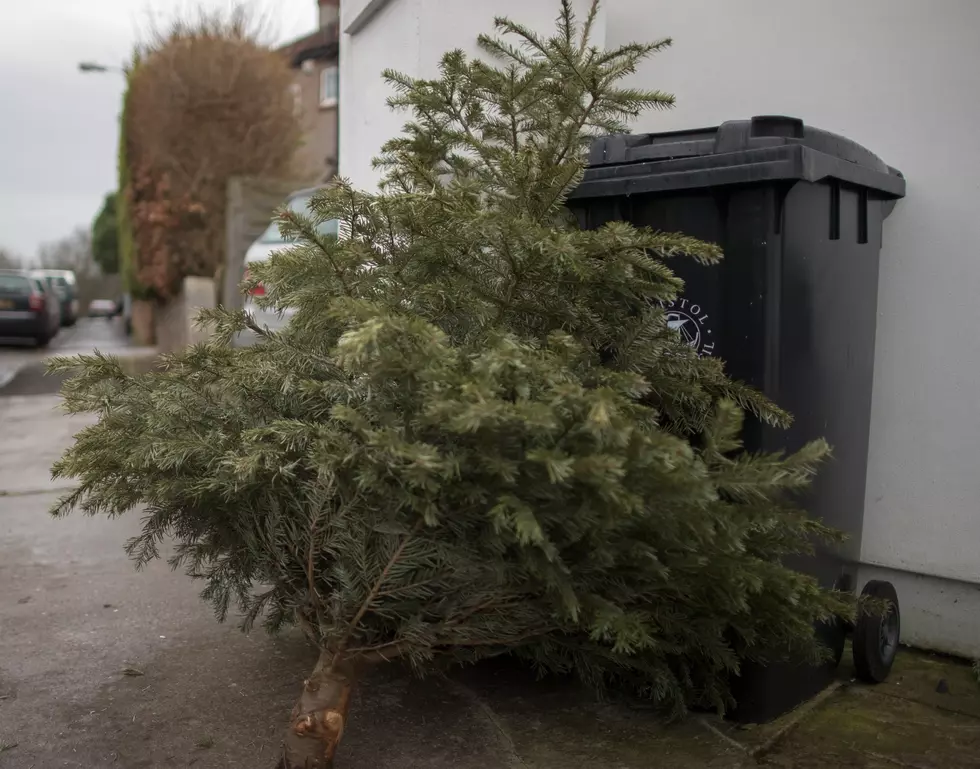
<point>299,205</point>
<point>14,285</point>
<point>329,86</point>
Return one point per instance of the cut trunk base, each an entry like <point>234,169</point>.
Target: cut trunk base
<point>317,722</point>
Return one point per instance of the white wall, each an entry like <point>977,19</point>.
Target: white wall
<point>899,76</point>
<point>390,39</point>
<point>409,36</point>
<point>896,75</point>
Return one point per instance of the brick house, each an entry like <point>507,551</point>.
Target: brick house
<point>313,60</point>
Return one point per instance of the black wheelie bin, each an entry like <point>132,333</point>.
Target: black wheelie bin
<point>792,310</point>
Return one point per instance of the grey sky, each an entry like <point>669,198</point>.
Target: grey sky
<point>58,127</point>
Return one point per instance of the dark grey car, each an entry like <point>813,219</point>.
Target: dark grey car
<point>28,308</point>
<point>64,284</point>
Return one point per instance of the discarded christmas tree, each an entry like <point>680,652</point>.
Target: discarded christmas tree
<point>478,434</point>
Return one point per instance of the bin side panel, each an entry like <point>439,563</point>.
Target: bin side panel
<point>698,314</point>
<point>792,311</point>
<point>734,315</point>
<point>829,288</point>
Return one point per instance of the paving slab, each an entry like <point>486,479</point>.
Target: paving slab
<point>33,433</point>
<point>102,666</point>
<point>75,618</point>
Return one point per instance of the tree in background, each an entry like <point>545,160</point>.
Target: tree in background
<point>478,435</point>
<point>128,260</point>
<point>105,236</point>
<point>75,252</point>
<point>10,261</point>
<point>206,101</point>
<point>72,252</point>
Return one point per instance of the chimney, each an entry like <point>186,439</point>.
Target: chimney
<point>329,12</point>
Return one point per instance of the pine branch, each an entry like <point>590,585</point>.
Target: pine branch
<point>341,645</point>
<point>586,34</point>
<point>466,359</point>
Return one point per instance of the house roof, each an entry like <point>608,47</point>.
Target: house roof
<point>320,45</point>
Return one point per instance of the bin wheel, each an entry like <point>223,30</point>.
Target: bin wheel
<point>876,637</point>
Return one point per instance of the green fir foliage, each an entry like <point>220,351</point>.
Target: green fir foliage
<point>477,435</point>
<point>105,236</point>
<point>125,241</point>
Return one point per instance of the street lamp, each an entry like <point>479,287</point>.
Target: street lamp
<point>91,66</point>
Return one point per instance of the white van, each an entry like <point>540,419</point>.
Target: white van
<point>269,242</point>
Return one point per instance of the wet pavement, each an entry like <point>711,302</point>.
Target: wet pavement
<point>22,364</point>
<point>104,666</point>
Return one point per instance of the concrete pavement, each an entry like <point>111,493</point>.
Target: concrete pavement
<point>75,617</point>
<point>86,335</point>
<point>102,666</point>
<point>74,614</point>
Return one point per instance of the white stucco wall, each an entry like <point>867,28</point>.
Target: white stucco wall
<point>899,76</point>
<point>896,75</point>
<point>409,36</point>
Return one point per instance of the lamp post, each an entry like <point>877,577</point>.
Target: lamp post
<point>89,67</point>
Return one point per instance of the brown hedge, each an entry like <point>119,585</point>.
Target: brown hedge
<point>207,102</point>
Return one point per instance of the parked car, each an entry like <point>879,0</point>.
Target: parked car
<point>103,308</point>
<point>65,286</point>
<point>268,242</point>
<point>29,308</point>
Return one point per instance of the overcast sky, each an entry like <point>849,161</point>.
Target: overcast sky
<point>58,127</point>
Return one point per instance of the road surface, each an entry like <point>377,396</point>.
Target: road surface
<point>74,614</point>
<point>22,364</point>
<point>104,667</point>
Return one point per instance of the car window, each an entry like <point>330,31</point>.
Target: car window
<point>56,285</point>
<point>299,205</point>
<point>14,285</point>
<point>329,228</point>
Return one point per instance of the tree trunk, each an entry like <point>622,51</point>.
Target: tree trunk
<point>318,719</point>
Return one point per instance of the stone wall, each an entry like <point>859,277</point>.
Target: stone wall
<point>175,320</point>
<point>142,322</point>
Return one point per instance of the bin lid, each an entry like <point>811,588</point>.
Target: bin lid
<point>766,148</point>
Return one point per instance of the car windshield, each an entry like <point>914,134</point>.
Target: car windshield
<point>14,285</point>
<point>299,205</point>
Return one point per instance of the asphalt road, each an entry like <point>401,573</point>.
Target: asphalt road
<point>22,365</point>
<point>104,667</point>
<point>101,666</point>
